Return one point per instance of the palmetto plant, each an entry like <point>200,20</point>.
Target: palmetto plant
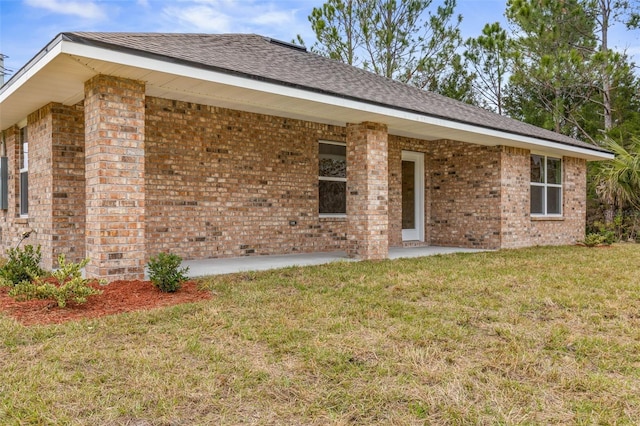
<point>617,181</point>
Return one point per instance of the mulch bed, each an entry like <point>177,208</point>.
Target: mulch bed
<point>117,297</point>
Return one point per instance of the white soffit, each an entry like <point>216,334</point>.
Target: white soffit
<point>69,64</point>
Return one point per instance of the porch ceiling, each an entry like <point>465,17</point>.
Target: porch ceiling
<point>58,74</point>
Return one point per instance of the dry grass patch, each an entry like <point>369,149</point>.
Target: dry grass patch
<point>534,336</point>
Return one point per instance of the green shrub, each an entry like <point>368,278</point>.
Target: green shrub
<point>3,281</point>
<point>593,240</point>
<point>609,237</point>
<point>612,232</point>
<point>625,226</point>
<point>607,233</point>
<point>64,284</point>
<point>22,265</point>
<point>165,272</point>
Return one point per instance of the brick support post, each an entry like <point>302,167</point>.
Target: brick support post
<point>115,190</point>
<point>367,191</point>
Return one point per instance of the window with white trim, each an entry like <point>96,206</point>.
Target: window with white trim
<point>332,178</point>
<point>546,186</point>
<point>24,172</point>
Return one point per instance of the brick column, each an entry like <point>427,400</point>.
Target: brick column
<point>114,149</point>
<point>367,191</point>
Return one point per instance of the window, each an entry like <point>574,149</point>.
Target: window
<point>332,178</point>
<point>24,171</point>
<point>546,186</point>
<point>4,174</point>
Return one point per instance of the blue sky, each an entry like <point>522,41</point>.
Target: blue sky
<point>26,26</point>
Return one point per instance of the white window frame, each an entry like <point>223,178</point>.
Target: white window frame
<point>545,185</point>
<point>23,162</point>
<point>331,179</point>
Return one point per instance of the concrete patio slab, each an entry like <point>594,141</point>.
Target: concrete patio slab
<point>400,252</point>
<point>199,268</point>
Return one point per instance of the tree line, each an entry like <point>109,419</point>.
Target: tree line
<point>552,67</point>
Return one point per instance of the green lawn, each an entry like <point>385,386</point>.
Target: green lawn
<point>533,336</point>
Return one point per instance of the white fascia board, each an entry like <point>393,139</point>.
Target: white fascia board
<point>184,70</point>
<point>541,145</point>
<point>30,70</point>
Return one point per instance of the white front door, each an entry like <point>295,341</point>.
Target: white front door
<point>412,196</point>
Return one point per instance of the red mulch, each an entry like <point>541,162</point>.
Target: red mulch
<point>117,297</point>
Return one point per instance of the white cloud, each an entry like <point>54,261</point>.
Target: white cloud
<point>218,3</point>
<point>201,18</point>
<point>273,18</point>
<point>82,9</point>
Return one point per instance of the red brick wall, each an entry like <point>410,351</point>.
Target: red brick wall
<point>223,183</point>
<point>465,194</point>
<point>56,184</point>
<point>571,227</point>
<point>40,182</point>
<point>115,177</point>
<point>68,191</point>
<point>367,191</point>
<point>519,229</point>
<point>515,178</point>
<point>478,197</point>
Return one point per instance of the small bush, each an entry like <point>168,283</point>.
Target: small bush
<point>165,272</point>
<point>593,240</point>
<point>63,285</point>
<point>22,265</point>
<point>3,281</point>
<point>624,227</point>
<point>611,233</point>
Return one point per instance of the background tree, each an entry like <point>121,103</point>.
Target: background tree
<point>624,104</point>
<point>336,26</point>
<point>554,42</point>
<point>401,39</point>
<point>614,189</point>
<point>456,82</point>
<point>489,56</point>
<point>606,13</point>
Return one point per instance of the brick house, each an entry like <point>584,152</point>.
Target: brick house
<point>119,146</point>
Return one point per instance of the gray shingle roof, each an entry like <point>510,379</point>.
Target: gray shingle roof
<point>261,58</point>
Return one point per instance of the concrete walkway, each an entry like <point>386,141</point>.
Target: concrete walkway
<point>198,268</point>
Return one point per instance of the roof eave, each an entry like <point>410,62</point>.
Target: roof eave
<point>75,46</point>
<point>36,63</point>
